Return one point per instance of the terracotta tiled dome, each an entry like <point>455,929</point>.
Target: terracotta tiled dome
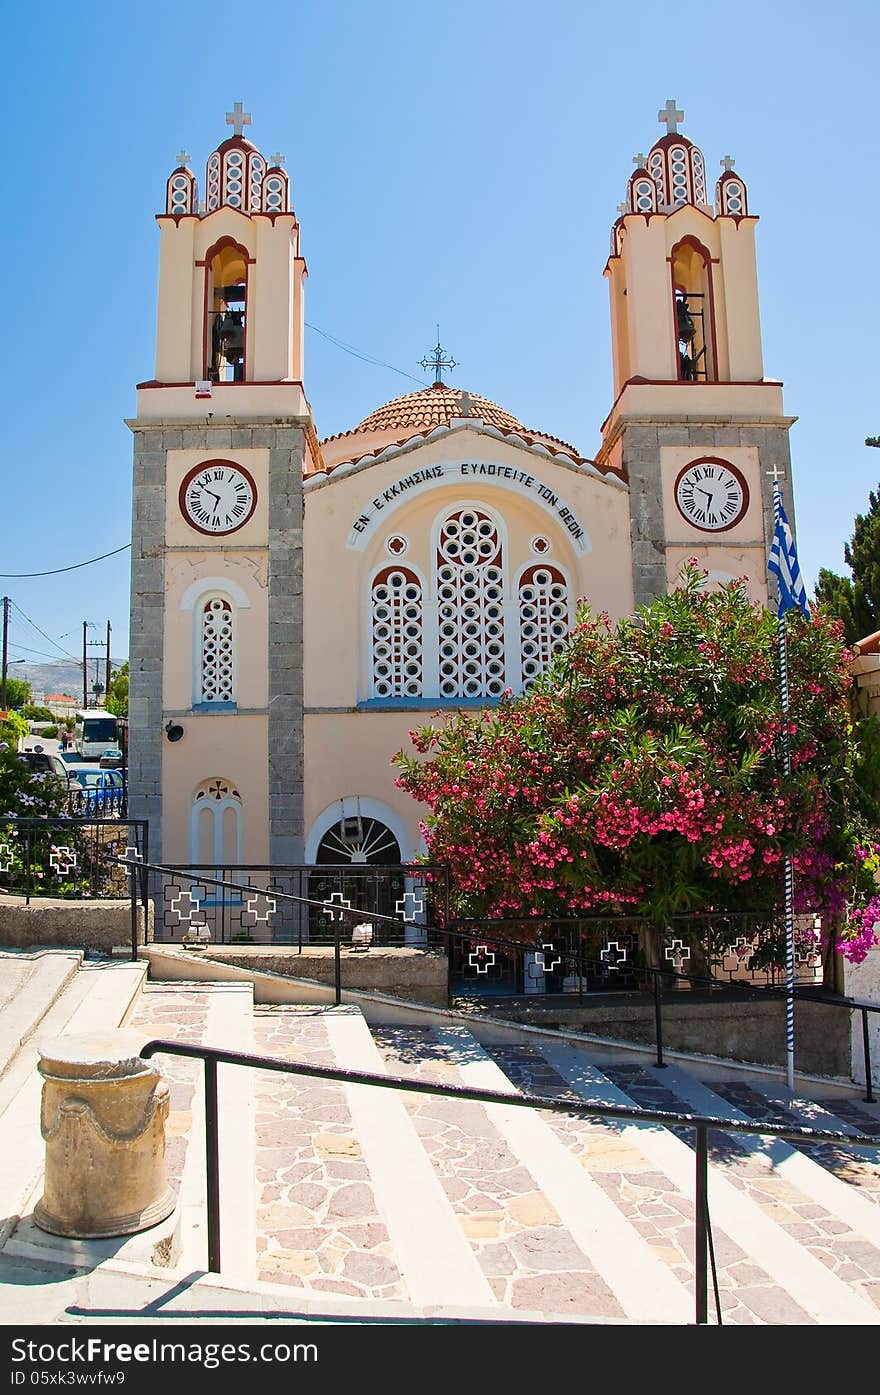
<point>436,406</point>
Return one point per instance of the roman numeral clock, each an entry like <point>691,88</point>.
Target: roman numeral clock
<point>711,495</point>
<point>218,497</point>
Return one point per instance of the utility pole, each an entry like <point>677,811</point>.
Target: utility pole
<point>85,666</point>
<point>5,652</point>
<point>107,675</point>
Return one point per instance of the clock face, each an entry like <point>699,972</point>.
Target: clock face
<point>711,494</point>
<point>218,497</point>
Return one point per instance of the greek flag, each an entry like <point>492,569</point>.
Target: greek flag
<point>783,564</point>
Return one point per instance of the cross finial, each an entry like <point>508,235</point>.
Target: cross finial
<point>776,475</point>
<point>671,115</point>
<point>183,158</point>
<point>639,160</point>
<point>465,404</point>
<point>438,362</point>
<point>276,160</point>
<point>238,118</point>
<point>728,163</point>
<point>623,208</point>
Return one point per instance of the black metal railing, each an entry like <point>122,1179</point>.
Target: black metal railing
<point>297,905</point>
<point>71,858</point>
<point>605,953</point>
<point>566,961</point>
<point>110,802</point>
<point>700,1123</point>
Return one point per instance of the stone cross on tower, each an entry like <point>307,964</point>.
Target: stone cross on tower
<point>183,158</point>
<point>671,115</point>
<point>238,119</point>
<point>639,160</point>
<point>728,163</point>
<point>276,160</point>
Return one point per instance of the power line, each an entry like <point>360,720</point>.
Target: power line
<point>366,358</point>
<point>15,645</point>
<point>56,570</point>
<point>65,652</point>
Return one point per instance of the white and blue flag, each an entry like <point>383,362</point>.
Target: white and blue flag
<point>783,564</point>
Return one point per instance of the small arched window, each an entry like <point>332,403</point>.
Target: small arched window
<point>216,650</point>
<point>216,824</point>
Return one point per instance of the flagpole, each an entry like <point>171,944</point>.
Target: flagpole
<point>787,867</point>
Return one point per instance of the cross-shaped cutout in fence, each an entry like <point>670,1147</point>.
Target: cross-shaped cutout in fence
<point>612,956</point>
<point>481,958</point>
<point>677,952</point>
<point>5,857</point>
<point>176,905</point>
<point>334,906</point>
<point>409,906</point>
<point>62,859</point>
<point>541,962</point>
<point>261,906</point>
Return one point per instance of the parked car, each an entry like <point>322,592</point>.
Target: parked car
<point>100,792</point>
<point>47,763</point>
<point>111,759</point>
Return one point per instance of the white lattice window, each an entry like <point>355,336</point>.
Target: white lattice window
<point>217,643</point>
<point>544,618</point>
<point>470,605</point>
<point>396,629</point>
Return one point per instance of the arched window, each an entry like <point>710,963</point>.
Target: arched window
<point>544,618</point>
<point>396,633</point>
<point>216,650</point>
<point>469,585</point>
<point>216,824</point>
<point>693,311</point>
<point>226,292</point>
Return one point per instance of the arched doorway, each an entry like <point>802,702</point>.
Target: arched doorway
<point>362,859</point>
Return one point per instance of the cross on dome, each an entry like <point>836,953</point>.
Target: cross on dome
<point>238,118</point>
<point>728,163</point>
<point>671,115</point>
<point>438,362</point>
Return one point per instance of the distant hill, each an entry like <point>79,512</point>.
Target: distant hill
<point>63,677</point>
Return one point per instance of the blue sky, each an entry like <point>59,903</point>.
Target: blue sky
<point>454,162</point>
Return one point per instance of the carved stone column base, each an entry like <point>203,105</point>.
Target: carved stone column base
<point>103,1121</point>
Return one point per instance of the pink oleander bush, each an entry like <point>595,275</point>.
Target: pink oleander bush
<point>643,773</point>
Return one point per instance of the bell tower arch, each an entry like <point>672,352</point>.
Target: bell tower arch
<point>222,435</point>
<point>689,382</point>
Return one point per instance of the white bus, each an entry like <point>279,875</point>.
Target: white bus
<point>94,733</point>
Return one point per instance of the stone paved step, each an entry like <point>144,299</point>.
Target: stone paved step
<point>782,1220</point>
<point>349,1204</point>
<point>763,1268</point>
<point>30,982</point>
<point>544,1231</point>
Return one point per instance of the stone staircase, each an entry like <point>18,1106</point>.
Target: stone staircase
<point>342,1201</point>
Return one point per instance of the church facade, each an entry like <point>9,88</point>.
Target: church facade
<point>298,604</point>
